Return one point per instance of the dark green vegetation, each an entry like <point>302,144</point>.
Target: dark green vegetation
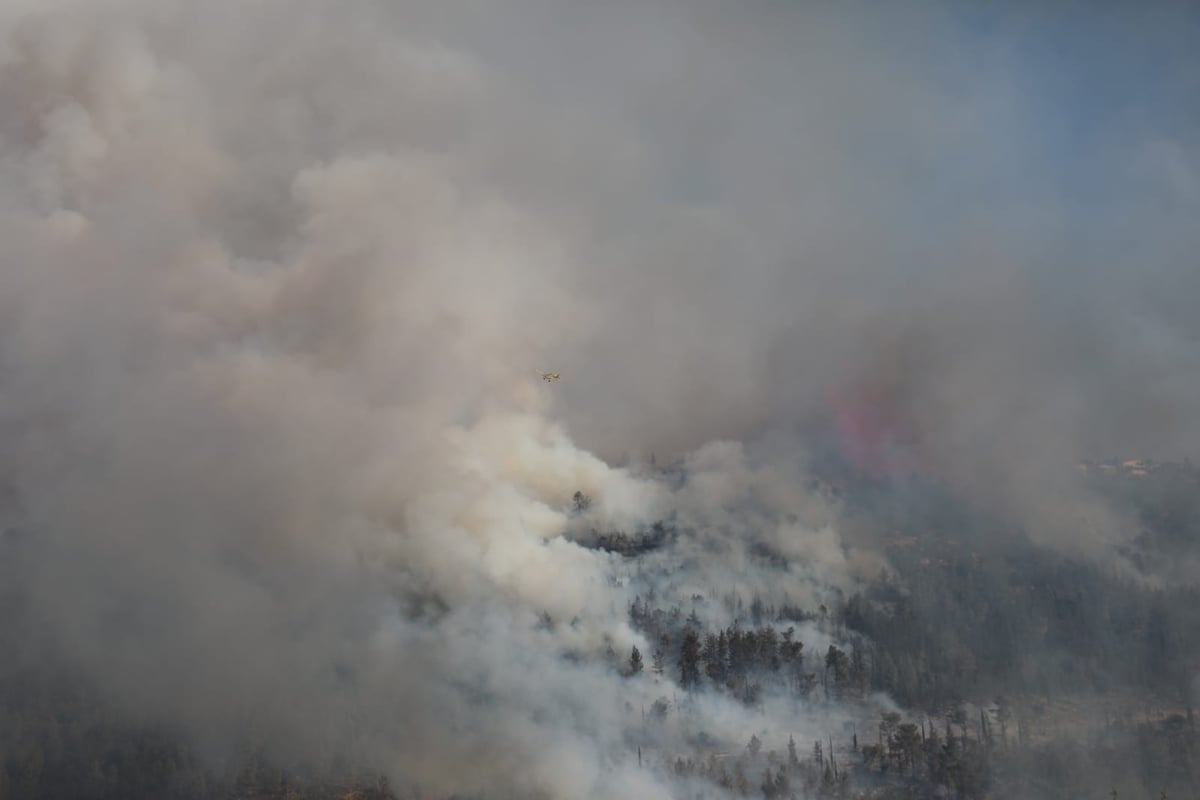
<point>60,742</point>
<point>1022,672</point>
<point>976,612</point>
<point>1025,673</point>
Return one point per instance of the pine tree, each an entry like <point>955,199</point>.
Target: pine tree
<point>689,660</point>
<point>660,655</point>
<point>768,784</point>
<point>754,746</point>
<point>837,667</point>
<point>782,784</point>
<point>858,670</point>
<point>635,661</point>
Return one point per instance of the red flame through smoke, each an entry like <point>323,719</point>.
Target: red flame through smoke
<point>873,434</point>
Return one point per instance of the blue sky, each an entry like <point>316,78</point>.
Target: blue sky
<point>1095,76</point>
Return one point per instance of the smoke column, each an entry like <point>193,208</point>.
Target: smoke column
<point>277,277</point>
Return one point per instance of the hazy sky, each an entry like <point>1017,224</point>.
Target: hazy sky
<point>277,277</point>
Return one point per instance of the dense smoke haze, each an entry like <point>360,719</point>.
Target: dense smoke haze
<point>278,277</point>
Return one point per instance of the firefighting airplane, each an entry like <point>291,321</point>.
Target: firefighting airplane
<point>548,376</point>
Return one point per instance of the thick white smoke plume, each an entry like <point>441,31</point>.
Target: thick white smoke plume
<point>277,278</point>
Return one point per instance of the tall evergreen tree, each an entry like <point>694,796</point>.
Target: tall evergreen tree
<point>689,659</point>
<point>635,661</point>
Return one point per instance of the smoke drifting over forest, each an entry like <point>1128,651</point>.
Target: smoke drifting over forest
<point>277,278</point>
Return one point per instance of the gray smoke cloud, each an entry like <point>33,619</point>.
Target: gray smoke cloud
<point>277,278</point>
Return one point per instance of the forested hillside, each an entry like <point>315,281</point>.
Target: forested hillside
<point>574,400</point>
<point>1012,670</point>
